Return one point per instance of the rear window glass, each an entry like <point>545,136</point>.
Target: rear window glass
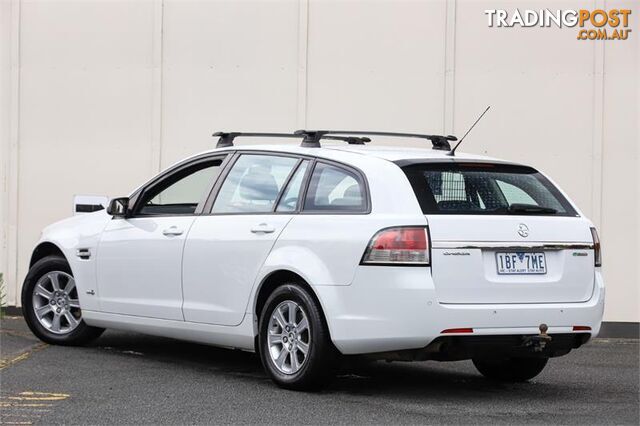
<point>485,188</point>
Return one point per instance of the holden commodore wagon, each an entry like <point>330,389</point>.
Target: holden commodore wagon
<point>307,253</point>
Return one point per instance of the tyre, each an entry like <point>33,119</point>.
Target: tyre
<point>293,340</point>
<point>511,369</point>
<point>50,304</point>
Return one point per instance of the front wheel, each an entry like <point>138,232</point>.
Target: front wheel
<point>51,306</point>
<point>293,339</point>
<point>511,369</point>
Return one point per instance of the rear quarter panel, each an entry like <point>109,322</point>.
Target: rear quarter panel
<point>325,249</point>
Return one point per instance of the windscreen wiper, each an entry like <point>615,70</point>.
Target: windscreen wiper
<point>530,209</point>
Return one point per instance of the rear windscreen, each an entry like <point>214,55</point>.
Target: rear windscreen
<point>485,188</point>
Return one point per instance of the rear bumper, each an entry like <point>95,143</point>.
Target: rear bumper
<point>395,308</point>
<point>455,348</point>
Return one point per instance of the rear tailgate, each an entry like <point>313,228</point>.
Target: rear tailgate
<point>465,262</point>
<point>502,233</point>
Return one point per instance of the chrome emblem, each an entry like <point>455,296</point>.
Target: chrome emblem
<point>523,230</point>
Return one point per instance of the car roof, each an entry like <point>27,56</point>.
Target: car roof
<point>336,151</point>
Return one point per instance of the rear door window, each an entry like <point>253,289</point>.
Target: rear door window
<point>485,188</point>
<point>289,200</point>
<point>254,184</point>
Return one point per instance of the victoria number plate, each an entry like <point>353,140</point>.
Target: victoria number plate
<point>521,263</point>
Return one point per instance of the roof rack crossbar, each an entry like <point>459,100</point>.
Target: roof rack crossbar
<point>310,139</point>
<point>439,142</point>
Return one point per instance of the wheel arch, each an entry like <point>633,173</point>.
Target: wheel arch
<point>274,279</point>
<point>44,249</point>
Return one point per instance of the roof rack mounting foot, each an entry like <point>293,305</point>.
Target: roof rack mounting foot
<point>226,139</point>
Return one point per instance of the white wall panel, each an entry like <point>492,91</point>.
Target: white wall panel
<point>226,65</point>
<point>376,65</point>
<point>85,102</point>
<point>109,92</point>
<point>5,131</point>
<point>621,174</point>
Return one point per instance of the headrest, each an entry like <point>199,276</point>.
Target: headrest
<point>258,185</point>
<point>352,197</point>
<point>353,192</point>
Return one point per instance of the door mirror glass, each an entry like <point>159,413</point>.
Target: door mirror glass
<point>118,207</point>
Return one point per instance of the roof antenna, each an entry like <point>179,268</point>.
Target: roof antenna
<point>453,151</point>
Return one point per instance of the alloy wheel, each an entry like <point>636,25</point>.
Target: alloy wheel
<point>289,337</point>
<point>55,302</point>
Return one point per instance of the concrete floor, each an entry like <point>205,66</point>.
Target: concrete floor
<point>126,378</point>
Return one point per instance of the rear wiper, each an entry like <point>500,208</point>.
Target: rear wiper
<point>530,209</point>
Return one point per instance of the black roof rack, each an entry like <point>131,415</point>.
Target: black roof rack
<point>308,140</point>
<point>439,142</point>
<point>311,138</point>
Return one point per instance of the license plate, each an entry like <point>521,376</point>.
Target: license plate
<point>521,263</point>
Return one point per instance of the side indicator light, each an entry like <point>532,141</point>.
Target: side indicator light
<point>581,328</point>
<point>457,330</point>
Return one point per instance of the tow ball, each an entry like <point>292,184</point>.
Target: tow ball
<point>539,342</point>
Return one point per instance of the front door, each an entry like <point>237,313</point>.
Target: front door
<point>139,258</point>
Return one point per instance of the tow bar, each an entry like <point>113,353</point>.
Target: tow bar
<point>537,343</point>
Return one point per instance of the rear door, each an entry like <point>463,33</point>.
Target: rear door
<point>225,249</point>
<point>502,234</point>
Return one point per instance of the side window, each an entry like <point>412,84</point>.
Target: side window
<point>334,189</point>
<point>289,200</point>
<point>181,192</point>
<point>253,184</point>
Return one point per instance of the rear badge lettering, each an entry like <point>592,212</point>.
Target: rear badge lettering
<point>456,253</point>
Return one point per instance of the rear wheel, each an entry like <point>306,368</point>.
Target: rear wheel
<point>511,369</point>
<point>293,339</point>
<point>51,306</point>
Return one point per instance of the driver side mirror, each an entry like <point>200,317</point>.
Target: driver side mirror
<point>118,207</point>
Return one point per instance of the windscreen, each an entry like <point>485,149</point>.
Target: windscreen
<point>485,188</point>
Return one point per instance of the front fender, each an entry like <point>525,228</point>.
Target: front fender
<point>70,235</point>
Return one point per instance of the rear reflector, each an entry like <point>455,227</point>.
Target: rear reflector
<point>457,330</point>
<point>581,328</point>
<point>408,245</point>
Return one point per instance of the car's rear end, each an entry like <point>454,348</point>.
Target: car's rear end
<point>509,255</point>
<point>504,266</point>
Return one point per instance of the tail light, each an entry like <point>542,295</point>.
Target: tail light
<point>407,245</point>
<point>597,253</point>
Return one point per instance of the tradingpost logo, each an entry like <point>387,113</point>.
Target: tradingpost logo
<point>597,24</point>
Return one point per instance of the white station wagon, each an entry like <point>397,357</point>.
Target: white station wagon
<point>307,253</point>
